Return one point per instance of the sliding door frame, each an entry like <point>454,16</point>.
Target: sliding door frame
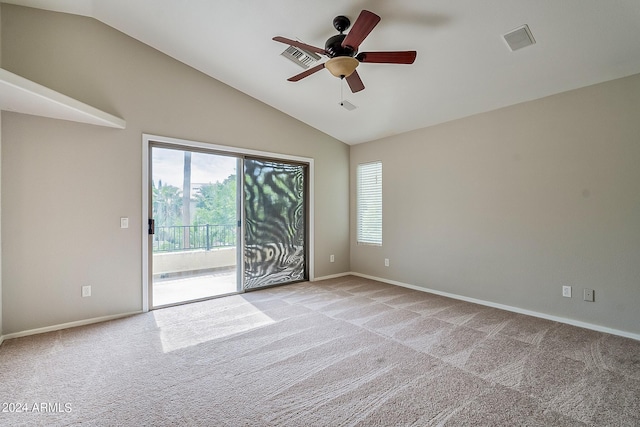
<point>148,140</point>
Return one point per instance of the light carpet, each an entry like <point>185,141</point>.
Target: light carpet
<point>341,352</point>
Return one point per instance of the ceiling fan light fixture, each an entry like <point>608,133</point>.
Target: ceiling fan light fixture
<point>342,66</point>
<point>341,51</point>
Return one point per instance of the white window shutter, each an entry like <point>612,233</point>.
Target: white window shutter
<point>369,203</point>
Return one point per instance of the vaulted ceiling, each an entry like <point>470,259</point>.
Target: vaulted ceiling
<point>463,67</point>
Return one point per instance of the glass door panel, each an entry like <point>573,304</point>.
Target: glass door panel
<point>195,213</point>
<point>275,223</point>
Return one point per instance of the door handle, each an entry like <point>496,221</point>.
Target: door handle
<point>152,226</point>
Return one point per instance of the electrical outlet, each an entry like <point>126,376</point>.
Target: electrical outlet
<point>589,295</point>
<point>386,262</point>
<point>566,291</point>
<point>332,258</point>
<point>86,291</point>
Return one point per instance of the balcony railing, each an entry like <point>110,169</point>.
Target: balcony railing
<point>193,237</point>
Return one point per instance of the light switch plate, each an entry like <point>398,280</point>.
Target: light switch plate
<point>124,222</point>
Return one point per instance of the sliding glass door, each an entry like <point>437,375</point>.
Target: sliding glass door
<point>222,223</point>
<point>275,223</point>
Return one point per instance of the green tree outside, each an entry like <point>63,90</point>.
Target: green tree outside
<point>167,204</point>
<point>216,203</point>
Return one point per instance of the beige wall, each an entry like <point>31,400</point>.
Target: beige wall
<point>0,188</point>
<point>198,260</point>
<point>510,205</point>
<point>65,185</point>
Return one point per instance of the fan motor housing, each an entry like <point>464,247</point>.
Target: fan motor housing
<point>341,23</point>
<point>334,47</point>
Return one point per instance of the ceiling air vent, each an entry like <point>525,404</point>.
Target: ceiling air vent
<point>301,57</point>
<point>519,38</point>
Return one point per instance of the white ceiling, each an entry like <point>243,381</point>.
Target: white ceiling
<point>463,67</point>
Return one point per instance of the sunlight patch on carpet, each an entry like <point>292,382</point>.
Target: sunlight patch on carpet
<point>238,316</point>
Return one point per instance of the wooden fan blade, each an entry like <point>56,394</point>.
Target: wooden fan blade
<point>406,57</point>
<point>306,73</point>
<point>355,83</point>
<point>304,46</point>
<point>364,24</point>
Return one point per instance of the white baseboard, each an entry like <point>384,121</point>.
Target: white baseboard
<point>66,325</point>
<point>572,322</point>
<point>332,276</point>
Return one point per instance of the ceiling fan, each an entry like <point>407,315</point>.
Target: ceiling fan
<point>342,50</point>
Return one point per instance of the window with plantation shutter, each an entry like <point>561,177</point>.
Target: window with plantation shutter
<point>369,203</point>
